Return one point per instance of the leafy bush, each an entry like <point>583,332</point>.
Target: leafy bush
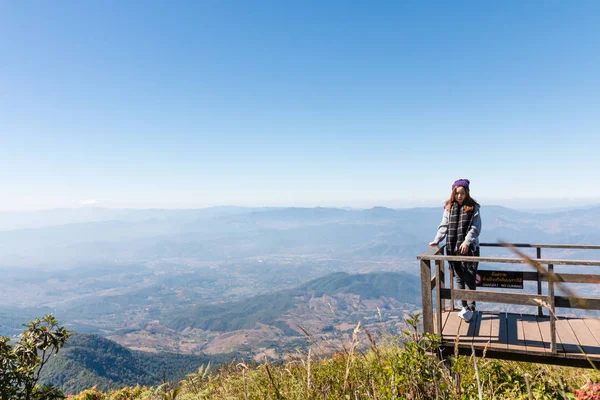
<point>128,393</point>
<point>90,394</point>
<point>22,363</point>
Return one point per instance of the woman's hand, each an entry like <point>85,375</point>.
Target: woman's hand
<point>433,244</point>
<point>464,248</point>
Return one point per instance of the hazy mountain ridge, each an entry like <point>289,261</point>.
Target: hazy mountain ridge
<point>268,309</point>
<point>215,234</point>
<point>47,218</point>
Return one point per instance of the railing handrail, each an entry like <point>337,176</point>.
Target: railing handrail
<point>507,260</point>
<point>435,253</point>
<point>546,246</point>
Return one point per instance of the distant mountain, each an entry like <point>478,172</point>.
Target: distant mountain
<point>213,234</point>
<point>13,318</point>
<point>271,309</point>
<point>65,216</point>
<point>91,360</point>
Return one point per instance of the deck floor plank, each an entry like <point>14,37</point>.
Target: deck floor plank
<point>544,325</point>
<point>532,335</point>
<point>498,332</point>
<point>473,327</point>
<point>484,329</point>
<point>524,333</point>
<point>567,336</point>
<point>586,338</point>
<point>451,328</point>
<point>514,333</point>
<point>463,329</point>
<point>593,325</point>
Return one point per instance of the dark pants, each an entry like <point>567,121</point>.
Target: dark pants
<point>465,275</point>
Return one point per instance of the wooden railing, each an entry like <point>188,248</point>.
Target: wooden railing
<point>435,255</point>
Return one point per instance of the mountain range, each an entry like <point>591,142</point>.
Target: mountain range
<point>100,235</point>
<point>262,326</point>
<point>230,280</point>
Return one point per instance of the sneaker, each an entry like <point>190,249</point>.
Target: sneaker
<point>461,313</point>
<point>468,315</point>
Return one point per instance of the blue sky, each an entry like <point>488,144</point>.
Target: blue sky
<point>199,103</point>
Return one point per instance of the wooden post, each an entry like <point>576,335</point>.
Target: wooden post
<point>438,291</point>
<point>451,287</point>
<point>552,309</point>
<point>443,281</point>
<point>539,281</point>
<point>426,296</point>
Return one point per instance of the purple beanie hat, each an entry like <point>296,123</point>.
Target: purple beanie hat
<point>461,182</point>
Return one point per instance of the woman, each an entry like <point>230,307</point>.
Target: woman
<point>461,225</point>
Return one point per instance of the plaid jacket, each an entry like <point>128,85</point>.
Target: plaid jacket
<point>473,234</point>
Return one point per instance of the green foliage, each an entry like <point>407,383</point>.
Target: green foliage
<point>166,392</point>
<point>91,360</point>
<point>90,394</point>
<point>22,363</point>
<point>194,384</point>
<point>128,393</point>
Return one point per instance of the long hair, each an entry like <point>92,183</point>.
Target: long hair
<point>469,203</point>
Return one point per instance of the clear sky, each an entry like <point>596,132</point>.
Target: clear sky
<point>199,103</point>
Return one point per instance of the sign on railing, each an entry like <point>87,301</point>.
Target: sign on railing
<point>499,279</point>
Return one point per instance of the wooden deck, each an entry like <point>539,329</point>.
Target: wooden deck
<point>523,337</point>
<point>511,336</point>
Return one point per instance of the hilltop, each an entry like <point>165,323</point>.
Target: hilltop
<point>91,360</point>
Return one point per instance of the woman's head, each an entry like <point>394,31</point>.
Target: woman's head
<point>461,194</point>
<point>460,190</point>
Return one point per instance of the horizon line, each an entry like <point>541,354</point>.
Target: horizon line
<point>578,203</point>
